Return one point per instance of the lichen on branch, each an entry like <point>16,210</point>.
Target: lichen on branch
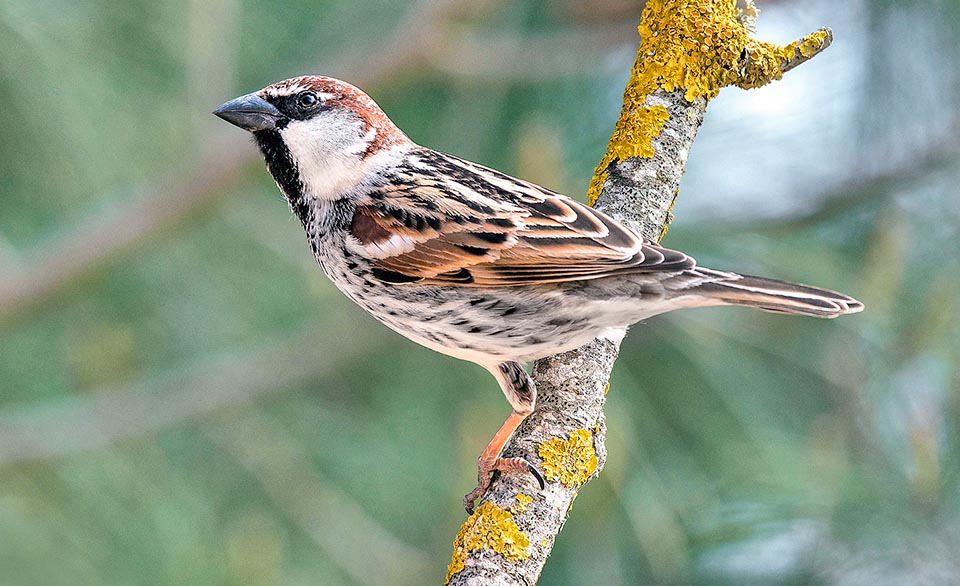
<point>688,51</point>
<point>570,461</point>
<point>492,528</point>
<point>765,62</point>
<point>695,47</point>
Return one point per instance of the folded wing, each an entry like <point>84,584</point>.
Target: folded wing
<point>460,223</point>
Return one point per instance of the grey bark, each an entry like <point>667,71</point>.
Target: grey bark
<point>571,386</point>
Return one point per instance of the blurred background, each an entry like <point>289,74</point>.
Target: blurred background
<point>185,399</point>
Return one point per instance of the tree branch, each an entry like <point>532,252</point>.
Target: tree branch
<point>688,51</point>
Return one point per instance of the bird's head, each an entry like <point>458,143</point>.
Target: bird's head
<point>319,136</point>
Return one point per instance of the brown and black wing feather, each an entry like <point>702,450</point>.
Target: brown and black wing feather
<point>478,227</point>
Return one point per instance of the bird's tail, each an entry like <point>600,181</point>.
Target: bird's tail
<point>778,296</point>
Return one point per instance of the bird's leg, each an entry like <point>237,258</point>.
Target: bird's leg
<point>522,394</point>
<point>490,460</point>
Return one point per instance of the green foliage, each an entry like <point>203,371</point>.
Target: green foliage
<point>744,448</point>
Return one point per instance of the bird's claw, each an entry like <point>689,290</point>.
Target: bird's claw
<point>484,477</point>
<point>537,475</point>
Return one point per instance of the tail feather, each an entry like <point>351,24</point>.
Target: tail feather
<point>779,296</point>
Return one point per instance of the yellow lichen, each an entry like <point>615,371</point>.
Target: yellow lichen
<point>599,178</point>
<point>694,46</point>
<point>691,45</point>
<point>571,461</point>
<point>635,135</point>
<point>812,43</point>
<point>523,501</point>
<point>489,527</point>
<point>766,60</point>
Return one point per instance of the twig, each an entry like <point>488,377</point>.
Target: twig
<point>807,48</point>
<point>688,51</point>
<point>761,62</point>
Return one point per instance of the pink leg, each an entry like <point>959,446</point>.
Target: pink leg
<point>490,460</point>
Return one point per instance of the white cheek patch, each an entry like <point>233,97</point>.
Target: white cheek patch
<point>327,150</point>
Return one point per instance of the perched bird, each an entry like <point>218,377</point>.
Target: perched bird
<point>469,261</point>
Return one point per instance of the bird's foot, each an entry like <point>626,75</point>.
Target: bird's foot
<point>484,477</point>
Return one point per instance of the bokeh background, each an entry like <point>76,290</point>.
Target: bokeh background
<point>184,398</point>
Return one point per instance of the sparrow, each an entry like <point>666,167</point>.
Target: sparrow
<point>468,261</point>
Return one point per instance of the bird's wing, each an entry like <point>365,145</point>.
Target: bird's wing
<point>443,220</point>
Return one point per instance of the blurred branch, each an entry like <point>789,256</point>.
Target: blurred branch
<point>337,524</point>
<point>637,182</point>
<point>869,185</point>
<point>103,238</point>
<point>101,418</point>
<point>362,548</point>
<point>417,34</point>
<point>505,57</point>
<point>845,383</point>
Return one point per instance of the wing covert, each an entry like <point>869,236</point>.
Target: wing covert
<point>442,220</point>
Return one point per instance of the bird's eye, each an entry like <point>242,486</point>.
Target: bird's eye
<point>307,100</point>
